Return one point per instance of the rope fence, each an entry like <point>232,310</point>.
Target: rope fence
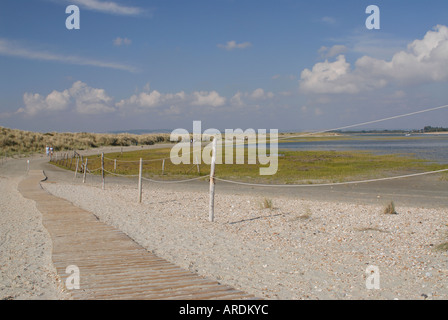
<point>81,166</point>
<point>333,183</point>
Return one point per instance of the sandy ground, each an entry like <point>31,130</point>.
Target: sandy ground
<point>302,248</point>
<point>26,268</point>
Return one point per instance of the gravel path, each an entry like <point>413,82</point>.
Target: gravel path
<point>300,249</point>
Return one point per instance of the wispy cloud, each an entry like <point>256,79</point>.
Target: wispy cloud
<point>231,45</point>
<point>379,45</point>
<point>109,7</point>
<point>14,49</point>
<point>122,42</point>
<point>328,20</point>
<point>335,50</point>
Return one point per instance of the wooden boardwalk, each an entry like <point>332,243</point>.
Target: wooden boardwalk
<point>111,265</point>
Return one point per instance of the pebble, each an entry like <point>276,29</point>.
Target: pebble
<point>331,249</point>
<point>26,268</point>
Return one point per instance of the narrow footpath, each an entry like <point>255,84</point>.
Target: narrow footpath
<point>110,264</point>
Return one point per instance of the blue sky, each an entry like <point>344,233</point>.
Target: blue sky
<point>284,64</point>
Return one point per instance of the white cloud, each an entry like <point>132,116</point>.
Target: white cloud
<point>231,45</point>
<point>122,42</point>
<point>333,51</point>
<point>329,77</point>
<point>247,98</point>
<point>205,98</point>
<point>108,7</point>
<point>424,61</point>
<point>90,100</point>
<point>83,99</point>
<point>151,100</point>
<point>35,103</point>
<point>155,100</point>
<point>236,100</point>
<point>80,97</point>
<point>10,48</point>
<point>259,93</point>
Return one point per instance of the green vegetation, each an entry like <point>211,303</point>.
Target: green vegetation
<point>444,176</point>
<point>435,129</point>
<point>425,129</point>
<point>267,204</point>
<point>442,247</point>
<point>14,141</point>
<point>390,208</point>
<point>294,167</point>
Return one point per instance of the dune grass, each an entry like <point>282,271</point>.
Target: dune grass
<point>14,142</point>
<point>390,208</point>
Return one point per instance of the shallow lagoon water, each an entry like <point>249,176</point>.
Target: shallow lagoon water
<point>428,147</point>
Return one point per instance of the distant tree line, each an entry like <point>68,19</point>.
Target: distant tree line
<point>434,129</point>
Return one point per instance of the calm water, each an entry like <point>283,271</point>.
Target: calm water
<point>429,147</point>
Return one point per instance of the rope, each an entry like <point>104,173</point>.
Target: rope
<point>313,133</point>
<point>134,161</point>
<point>368,122</point>
<point>329,184</point>
<point>289,137</point>
<point>156,181</point>
<point>178,181</point>
<point>120,175</point>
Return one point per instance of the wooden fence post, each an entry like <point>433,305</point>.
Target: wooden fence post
<point>77,165</point>
<point>140,181</point>
<point>163,167</point>
<point>115,165</point>
<point>211,212</point>
<point>197,164</point>
<point>102,170</point>
<point>85,171</point>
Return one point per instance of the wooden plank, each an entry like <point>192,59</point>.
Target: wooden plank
<point>113,266</point>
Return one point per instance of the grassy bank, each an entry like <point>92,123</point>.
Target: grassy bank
<point>294,167</point>
<point>13,141</point>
